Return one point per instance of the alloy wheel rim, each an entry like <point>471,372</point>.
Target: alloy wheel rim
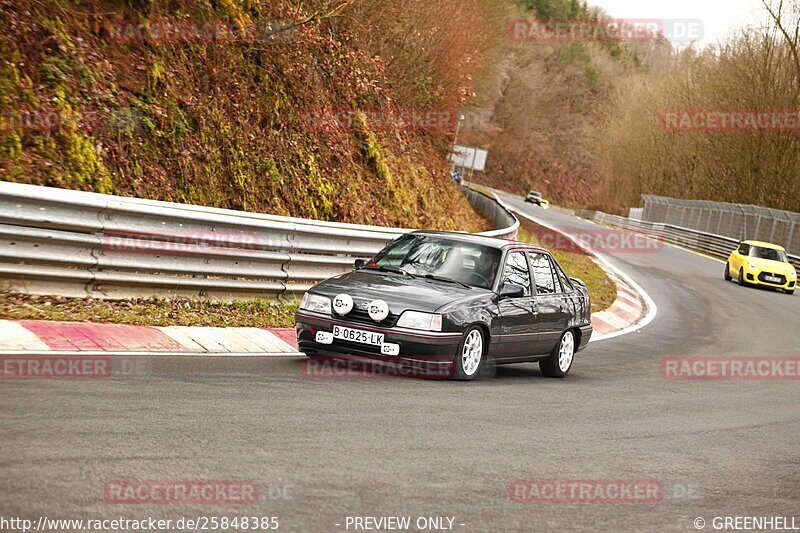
<point>566,352</point>
<point>472,352</point>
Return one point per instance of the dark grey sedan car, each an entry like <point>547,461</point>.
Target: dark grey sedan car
<point>451,297</point>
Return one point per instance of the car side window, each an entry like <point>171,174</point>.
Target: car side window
<point>744,249</point>
<point>543,274</point>
<point>516,271</point>
<point>566,285</point>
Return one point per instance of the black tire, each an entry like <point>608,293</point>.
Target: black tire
<point>790,291</point>
<point>728,272</point>
<point>458,361</point>
<point>741,280</point>
<point>550,367</point>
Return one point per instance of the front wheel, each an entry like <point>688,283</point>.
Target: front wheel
<point>558,364</point>
<point>741,280</point>
<point>469,358</point>
<point>789,291</point>
<point>728,272</point>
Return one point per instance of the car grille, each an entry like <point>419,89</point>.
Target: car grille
<point>358,316</point>
<point>762,276</point>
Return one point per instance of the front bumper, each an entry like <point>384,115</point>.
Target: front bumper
<point>414,345</point>
<point>756,277</point>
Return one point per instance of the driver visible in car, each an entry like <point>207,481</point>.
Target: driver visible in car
<point>485,267</point>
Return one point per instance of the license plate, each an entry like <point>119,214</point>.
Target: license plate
<point>772,279</point>
<point>356,335</point>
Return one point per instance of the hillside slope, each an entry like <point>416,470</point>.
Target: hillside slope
<point>90,99</point>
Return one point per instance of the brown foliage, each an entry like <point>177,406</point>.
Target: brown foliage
<point>226,123</point>
<point>753,71</point>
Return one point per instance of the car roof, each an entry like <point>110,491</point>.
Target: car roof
<point>492,242</point>
<point>762,244</point>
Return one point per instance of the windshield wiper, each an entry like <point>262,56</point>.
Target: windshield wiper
<point>446,280</point>
<point>395,270</point>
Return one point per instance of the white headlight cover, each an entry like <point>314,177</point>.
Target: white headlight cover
<point>421,321</point>
<point>378,310</point>
<point>316,303</point>
<point>792,274</point>
<point>343,304</point>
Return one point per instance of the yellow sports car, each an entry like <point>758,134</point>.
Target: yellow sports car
<point>761,263</point>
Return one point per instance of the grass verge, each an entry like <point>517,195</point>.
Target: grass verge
<point>264,313</point>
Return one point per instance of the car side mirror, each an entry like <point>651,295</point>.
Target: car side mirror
<point>360,263</point>
<point>511,290</point>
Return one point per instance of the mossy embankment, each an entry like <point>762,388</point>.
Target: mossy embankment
<point>89,100</point>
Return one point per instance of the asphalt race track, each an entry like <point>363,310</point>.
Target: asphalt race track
<point>333,448</point>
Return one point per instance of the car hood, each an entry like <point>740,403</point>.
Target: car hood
<point>777,267</point>
<point>402,293</point>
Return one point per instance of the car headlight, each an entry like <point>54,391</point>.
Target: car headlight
<point>752,266</point>
<point>792,274</point>
<point>421,321</point>
<point>316,303</point>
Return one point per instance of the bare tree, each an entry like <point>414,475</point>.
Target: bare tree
<point>786,17</point>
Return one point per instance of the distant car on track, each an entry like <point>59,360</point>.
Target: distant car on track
<point>535,197</point>
<point>463,299</point>
<point>761,263</point>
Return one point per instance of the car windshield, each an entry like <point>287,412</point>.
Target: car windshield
<point>534,193</point>
<point>768,253</point>
<point>447,260</point>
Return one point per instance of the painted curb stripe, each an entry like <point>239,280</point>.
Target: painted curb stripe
<point>287,335</point>
<point>34,336</point>
<point>75,336</point>
<point>626,308</point>
<point>14,336</point>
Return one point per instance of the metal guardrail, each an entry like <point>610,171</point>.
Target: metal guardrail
<point>714,245</point>
<point>74,243</point>
<point>737,221</point>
